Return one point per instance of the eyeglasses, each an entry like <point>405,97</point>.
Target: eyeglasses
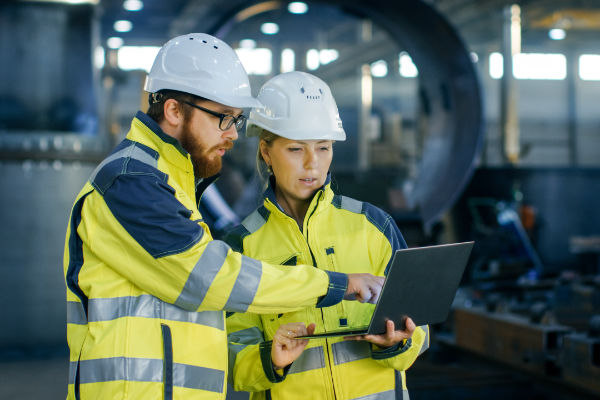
<point>225,120</point>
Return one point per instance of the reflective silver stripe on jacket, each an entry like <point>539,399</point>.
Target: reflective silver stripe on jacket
<point>202,276</point>
<point>352,205</point>
<point>311,358</point>
<point>131,151</point>
<point>348,351</point>
<point>75,313</point>
<point>246,336</point>
<point>147,370</point>
<point>426,341</point>
<point>239,340</point>
<point>246,285</point>
<point>253,222</point>
<point>389,395</point>
<point>144,306</point>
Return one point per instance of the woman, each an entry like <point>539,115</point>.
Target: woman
<point>303,221</point>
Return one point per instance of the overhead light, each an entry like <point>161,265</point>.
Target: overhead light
<point>133,5</point>
<point>247,44</point>
<point>474,56</point>
<point>123,25</point>
<point>269,28</point>
<point>298,7</point>
<point>114,42</point>
<point>557,34</point>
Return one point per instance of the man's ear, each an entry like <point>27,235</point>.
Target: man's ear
<point>172,113</point>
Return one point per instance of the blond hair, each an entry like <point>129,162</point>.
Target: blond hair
<point>264,170</point>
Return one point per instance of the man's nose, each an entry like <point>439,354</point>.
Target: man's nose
<point>231,133</point>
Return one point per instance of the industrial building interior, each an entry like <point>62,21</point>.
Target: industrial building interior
<point>439,136</point>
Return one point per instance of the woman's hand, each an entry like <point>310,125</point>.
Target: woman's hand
<point>285,348</point>
<point>391,336</point>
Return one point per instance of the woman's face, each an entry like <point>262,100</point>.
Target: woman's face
<point>300,167</point>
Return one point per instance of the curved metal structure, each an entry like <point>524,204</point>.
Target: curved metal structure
<point>449,92</point>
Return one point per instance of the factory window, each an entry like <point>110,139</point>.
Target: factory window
<point>379,69</point>
<point>136,57</point>
<point>531,66</point>
<point>312,59</point>
<point>256,61</point>
<point>407,68</point>
<point>589,67</point>
<point>99,57</point>
<point>315,58</point>
<point>328,55</point>
<point>288,60</point>
<point>496,65</point>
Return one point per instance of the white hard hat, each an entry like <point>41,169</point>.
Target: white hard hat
<point>298,106</point>
<point>204,66</point>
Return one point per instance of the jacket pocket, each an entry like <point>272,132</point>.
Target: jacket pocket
<point>167,362</point>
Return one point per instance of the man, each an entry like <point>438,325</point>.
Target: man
<point>147,285</point>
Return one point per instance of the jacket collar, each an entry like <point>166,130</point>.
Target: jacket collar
<point>269,194</point>
<point>157,130</point>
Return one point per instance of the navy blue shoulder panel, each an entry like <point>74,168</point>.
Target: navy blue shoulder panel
<point>382,220</point>
<point>148,210</point>
<point>127,158</point>
<point>76,253</point>
<point>250,224</point>
<point>137,194</point>
<point>387,226</point>
<point>235,238</point>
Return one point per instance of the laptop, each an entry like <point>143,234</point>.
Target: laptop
<point>421,284</point>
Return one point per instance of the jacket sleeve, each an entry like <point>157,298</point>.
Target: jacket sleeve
<point>139,228</point>
<point>404,354</point>
<point>250,365</point>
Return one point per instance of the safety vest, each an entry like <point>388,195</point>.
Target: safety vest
<point>338,234</point>
<point>147,284</point>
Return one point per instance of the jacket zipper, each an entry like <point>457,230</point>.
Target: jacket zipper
<point>327,355</point>
<point>167,362</point>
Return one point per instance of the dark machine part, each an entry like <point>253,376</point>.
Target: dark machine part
<point>580,359</point>
<point>511,339</point>
<point>449,91</point>
<point>565,230</point>
<point>549,327</point>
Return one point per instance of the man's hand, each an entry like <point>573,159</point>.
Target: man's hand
<point>285,348</point>
<point>391,336</point>
<point>364,287</point>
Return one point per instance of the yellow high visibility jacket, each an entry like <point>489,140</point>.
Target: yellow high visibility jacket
<point>147,284</point>
<point>338,234</point>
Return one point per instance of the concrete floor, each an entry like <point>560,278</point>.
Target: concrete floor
<point>439,374</point>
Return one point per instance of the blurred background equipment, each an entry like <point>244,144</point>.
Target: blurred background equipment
<point>466,120</point>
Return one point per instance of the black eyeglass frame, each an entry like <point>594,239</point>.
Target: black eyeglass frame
<point>239,121</point>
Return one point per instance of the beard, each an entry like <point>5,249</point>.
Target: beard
<point>204,165</point>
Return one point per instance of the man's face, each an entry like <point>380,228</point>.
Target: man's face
<point>204,140</point>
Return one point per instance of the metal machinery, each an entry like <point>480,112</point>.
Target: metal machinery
<point>537,313</point>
